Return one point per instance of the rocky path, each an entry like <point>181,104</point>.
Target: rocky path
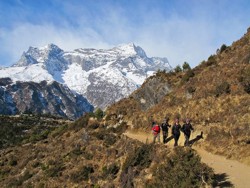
<point>229,173</point>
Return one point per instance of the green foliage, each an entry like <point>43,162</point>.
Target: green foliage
<point>54,168</point>
<point>223,48</point>
<point>189,74</point>
<point>110,171</point>
<point>222,88</point>
<point>141,158</point>
<point>81,122</point>
<point>161,72</point>
<point>59,131</point>
<point>182,169</point>
<point>211,61</point>
<point>39,135</point>
<point>109,139</point>
<point>18,182</point>
<point>191,89</point>
<point>245,79</point>
<point>13,162</point>
<point>177,69</point>
<point>186,66</point>
<point>134,163</point>
<point>82,174</point>
<point>23,129</point>
<point>99,114</point>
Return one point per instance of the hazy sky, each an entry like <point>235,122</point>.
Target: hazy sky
<point>181,30</point>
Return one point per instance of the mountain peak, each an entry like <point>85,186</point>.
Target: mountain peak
<point>131,49</point>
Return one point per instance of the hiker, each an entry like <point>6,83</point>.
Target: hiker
<point>164,127</point>
<point>186,129</point>
<point>156,132</point>
<point>176,131</point>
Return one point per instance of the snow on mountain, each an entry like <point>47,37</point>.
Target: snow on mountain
<point>103,76</point>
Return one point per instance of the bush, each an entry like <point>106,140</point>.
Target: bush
<point>186,66</point>
<point>109,139</point>
<point>134,163</point>
<point>99,114</point>
<point>189,74</point>
<point>13,162</point>
<point>110,171</point>
<point>191,89</point>
<point>141,158</point>
<point>222,88</point>
<point>81,122</point>
<point>211,61</point>
<point>223,48</point>
<point>53,169</point>
<point>178,69</point>
<point>245,79</point>
<point>18,182</point>
<point>82,174</point>
<point>182,169</point>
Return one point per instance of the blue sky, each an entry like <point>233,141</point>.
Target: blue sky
<point>181,30</point>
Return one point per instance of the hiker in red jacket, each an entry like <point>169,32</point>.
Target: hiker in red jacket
<point>156,132</point>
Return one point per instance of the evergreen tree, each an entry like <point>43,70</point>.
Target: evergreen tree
<point>178,68</point>
<point>186,66</point>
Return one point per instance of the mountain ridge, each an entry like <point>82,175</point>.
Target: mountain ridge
<point>102,76</point>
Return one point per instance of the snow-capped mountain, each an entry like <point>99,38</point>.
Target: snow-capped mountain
<point>103,76</point>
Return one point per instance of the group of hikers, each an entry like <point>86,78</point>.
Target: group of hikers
<point>186,128</point>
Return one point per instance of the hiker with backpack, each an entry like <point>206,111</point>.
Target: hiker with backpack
<point>164,127</point>
<point>176,131</point>
<point>156,132</point>
<point>186,129</point>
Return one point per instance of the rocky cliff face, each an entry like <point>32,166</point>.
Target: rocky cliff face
<point>41,98</point>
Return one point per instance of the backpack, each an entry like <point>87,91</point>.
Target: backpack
<point>156,129</point>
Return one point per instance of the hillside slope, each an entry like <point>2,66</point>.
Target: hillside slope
<point>215,95</point>
<point>87,153</point>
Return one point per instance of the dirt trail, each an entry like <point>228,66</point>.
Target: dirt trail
<point>229,173</point>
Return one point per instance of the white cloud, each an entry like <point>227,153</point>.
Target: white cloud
<point>178,38</point>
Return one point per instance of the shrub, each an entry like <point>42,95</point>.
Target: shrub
<point>178,69</point>
<point>222,88</point>
<point>186,66</point>
<point>18,182</point>
<point>245,79</point>
<point>182,169</point>
<point>134,163</point>
<point>189,74</point>
<point>141,158</point>
<point>99,114</point>
<point>13,162</point>
<point>211,61</point>
<point>81,122</point>
<point>82,174</point>
<point>223,48</point>
<point>191,89</point>
<point>53,169</point>
<point>109,139</point>
<point>110,171</point>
